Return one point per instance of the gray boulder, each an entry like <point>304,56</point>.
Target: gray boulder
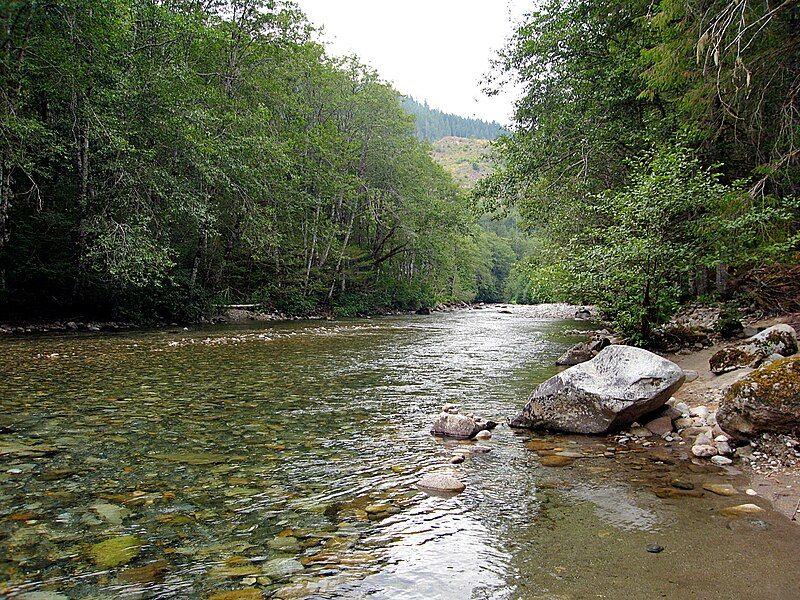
<point>778,339</point>
<point>462,427</point>
<point>612,390</point>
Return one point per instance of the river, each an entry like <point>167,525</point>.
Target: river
<point>245,458</point>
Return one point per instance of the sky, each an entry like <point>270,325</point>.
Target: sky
<point>434,50</point>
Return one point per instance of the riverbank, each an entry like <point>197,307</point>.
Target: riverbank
<point>771,461</point>
<point>238,314</point>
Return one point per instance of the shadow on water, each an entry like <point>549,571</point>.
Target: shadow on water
<point>281,460</point>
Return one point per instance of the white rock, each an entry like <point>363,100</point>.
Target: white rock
<point>751,492</point>
<point>704,450</point>
<point>616,387</point>
<point>721,438</point>
<point>720,460</point>
<point>483,435</point>
<point>699,411</point>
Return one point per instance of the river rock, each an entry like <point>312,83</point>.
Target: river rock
<point>116,552</point>
<point>660,426</point>
<point>704,450</point>
<point>576,355</point>
<point>110,513</point>
<point>606,393</point>
<point>721,489</point>
<point>441,482</point>
<point>463,427</point>
<point>766,400</point>
<point>742,510</point>
<point>555,461</point>
<point>277,568</point>
<point>778,339</point>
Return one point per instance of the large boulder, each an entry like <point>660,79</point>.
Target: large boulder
<point>778,339</point>
<point>606,393</point>
<point>766,400</point>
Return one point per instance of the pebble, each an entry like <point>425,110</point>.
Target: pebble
<point>742,510</point>
<point>751,492</point>
<point>655,548</point>
<point>720,460</point>
<point>484,434</point>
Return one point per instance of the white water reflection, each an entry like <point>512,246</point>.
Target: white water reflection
<point>439,551</point>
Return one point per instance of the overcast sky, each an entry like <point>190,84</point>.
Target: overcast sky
<point>434,50</point>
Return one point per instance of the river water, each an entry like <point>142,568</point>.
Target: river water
<point>189,464</point>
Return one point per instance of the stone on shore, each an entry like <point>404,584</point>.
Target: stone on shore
<point>606,393</point>
<point>778,339</point>
<point>766,400</point>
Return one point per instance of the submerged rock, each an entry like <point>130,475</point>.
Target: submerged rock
<point>766,400</point>
<point>606,393</point>
<point>742,510</point>
<point>155,571</point>
<point>721,489</point>
<point>555,461</point>
<point>277,568</point>
<point>116,551</point>
<point>441,482</point>
<point>778,339</point>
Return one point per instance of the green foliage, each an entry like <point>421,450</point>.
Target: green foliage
<point>655,142</point>
<point>160,154</point>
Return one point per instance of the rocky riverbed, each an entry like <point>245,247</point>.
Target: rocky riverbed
<point>285,460</point>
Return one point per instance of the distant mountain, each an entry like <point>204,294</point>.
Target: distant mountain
<point>466,159</point>
<point>433,124</point>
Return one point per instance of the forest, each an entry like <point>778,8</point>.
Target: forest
<point>432,124</point>
<point>656,155</point>
<point>161,157</point>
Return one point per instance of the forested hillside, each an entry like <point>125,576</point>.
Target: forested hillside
<point>433,124</point>
<point>657,153</point>
<point>157,157</point>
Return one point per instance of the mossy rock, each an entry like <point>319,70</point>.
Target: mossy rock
<point>766,400</point>
<point>116,551</point>
<point>778,339</point>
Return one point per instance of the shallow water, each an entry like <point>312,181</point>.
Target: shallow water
<point>225,449</point>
